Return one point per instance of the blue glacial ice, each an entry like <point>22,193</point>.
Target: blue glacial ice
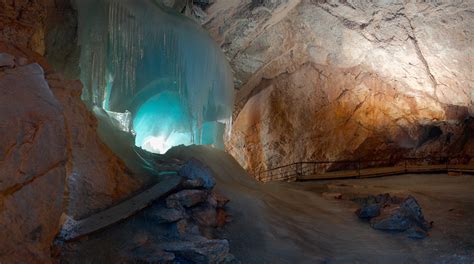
<point>157,74</point>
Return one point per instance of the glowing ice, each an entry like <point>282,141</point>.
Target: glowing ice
<point>162,67</point>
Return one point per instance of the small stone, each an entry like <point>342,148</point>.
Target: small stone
<point>181,227</point>
<point>194,169</point>
<point>167,215</point>
<point>331,195</point>
<point>186,198</point>
<point>7,60</point>
<point>221,217</point>
<point>220,199</point>
<point>368,211</point>
<point>193,184</point>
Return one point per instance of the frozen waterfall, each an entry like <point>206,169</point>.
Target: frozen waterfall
<point>155,72</point>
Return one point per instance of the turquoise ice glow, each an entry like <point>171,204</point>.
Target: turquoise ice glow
<point>161,66</point>
<point>161,123</point>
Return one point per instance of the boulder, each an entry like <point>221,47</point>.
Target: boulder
<point>392,218</point>
<point>392,213</point>
<point>186,198</point>
<point>369,211</point>
<point>194,169</point>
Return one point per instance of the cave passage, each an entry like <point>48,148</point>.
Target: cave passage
<point>157,74</point>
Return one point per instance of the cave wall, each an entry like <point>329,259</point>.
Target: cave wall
<point>333,80</point>
<point>33,161</point>
<point>52,162</point>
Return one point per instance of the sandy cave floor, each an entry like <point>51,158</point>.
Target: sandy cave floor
<point>298,223</point>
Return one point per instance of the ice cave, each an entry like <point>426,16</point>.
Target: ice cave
<point>236,131</point>
<point>157,70</point>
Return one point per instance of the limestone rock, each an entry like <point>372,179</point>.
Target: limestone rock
<point>98,178</point>
<point>220,199</point>
<point>393,218</point>
<point>7,60</point>
<point>163,215</point>
<point>193,169</point>
<point>33,165</point>
<point>391,213</point>
<point>186,198</point>
<point>347,80</point>
<point>205,215</point>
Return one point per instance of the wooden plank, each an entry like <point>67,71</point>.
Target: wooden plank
<point>75,229</point>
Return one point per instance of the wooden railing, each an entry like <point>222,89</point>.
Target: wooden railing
<point>320,170</point>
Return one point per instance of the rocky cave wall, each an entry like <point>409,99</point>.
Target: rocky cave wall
<point>335,80</point>
<point>51,160</point>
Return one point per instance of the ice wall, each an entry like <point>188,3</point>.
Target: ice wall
<point>136,55</point>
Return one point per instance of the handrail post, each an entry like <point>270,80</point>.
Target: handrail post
<point>358,167</point>
<point>447,164</point>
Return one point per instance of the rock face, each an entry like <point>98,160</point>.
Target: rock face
<point>33,163</point>
<point>97,178</point>
<point>332,80</point>
<point>24,21</point>
<point>390,213</point>
<point>49,151</point>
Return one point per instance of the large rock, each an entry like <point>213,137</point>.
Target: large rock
<point>186,198</point>
<point>98,178</point>
<point>391,213</point>
<point>33,164</point>
<point>347,79</point>
<point>194,169</point>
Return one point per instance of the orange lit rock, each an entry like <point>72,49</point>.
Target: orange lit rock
<point>346,80</point>
<point>33,165</point>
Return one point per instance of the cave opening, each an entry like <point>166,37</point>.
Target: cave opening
<point>155,73</point>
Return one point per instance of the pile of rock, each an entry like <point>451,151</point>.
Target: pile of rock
<point>191,216</point>
<point>391,213</point>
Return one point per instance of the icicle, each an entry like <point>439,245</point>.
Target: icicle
<point>133,51</point>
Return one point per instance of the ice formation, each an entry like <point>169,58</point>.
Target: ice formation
<point>157,73</point>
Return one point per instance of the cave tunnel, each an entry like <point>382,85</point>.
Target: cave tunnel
<point>157,73</point>
<point>236,131</point>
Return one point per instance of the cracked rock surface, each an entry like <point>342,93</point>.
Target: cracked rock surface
<point>51,159</point>
<point>33,159</point>
<point>331,80</point>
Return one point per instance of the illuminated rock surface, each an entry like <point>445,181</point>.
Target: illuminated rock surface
<point>33,164</point>
<point>332,80</point>
<point>48,143</point>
